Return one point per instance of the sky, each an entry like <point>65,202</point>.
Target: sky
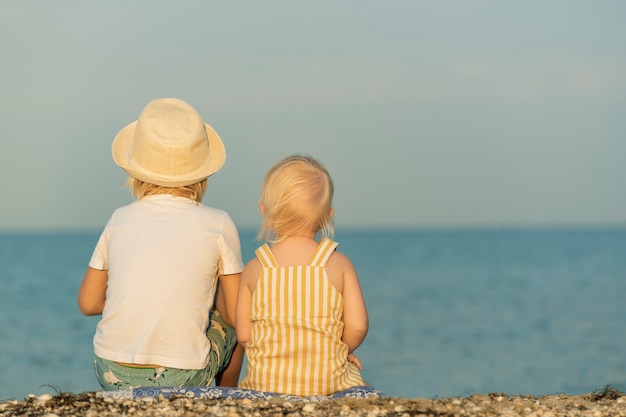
<point>426,113</point>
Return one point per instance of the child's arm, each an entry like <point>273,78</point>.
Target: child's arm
<point>227,297</point>
<point>92,292</point>
<point>229,376</point>
<point>249,278</point>
<point>356,321</point>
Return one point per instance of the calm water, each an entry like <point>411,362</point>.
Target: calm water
<point>452,312</point>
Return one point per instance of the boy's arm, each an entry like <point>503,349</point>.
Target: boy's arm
<point>229,376</point>
<point>249,278</point>
<point>356,321</point>
<point>228,289</point>
<point>92,292</point>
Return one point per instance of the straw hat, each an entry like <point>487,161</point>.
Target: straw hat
<point>169,145</point>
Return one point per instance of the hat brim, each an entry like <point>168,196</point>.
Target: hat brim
<point>123,142</point>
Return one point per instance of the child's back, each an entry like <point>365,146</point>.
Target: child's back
<point>297,315</point>
<point>300,311</point>
<point>154,273</point>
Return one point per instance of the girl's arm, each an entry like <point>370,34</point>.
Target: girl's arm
<point>228,289</point>
<point>249,278</point>
<point>356,321</point>
<point>92,292</point>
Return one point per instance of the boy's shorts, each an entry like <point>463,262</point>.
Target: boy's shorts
<point>223,338</point>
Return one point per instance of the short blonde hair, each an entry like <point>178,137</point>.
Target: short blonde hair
<point>296,197</point>
<point>141,189</point>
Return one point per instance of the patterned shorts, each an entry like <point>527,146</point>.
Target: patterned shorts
<point>223,338</point>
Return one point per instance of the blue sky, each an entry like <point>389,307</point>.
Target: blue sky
<point>427,114</point>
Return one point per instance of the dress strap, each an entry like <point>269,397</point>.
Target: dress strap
<point>266,256</point>
<point>323,252</point>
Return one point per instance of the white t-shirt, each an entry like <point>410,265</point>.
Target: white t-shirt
<point>163,255</point>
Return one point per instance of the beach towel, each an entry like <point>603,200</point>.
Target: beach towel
<point>232,393</point>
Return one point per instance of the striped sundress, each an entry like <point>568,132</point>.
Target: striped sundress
<point>295,343</point>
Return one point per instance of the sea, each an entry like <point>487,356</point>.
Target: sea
<point>453,312</point>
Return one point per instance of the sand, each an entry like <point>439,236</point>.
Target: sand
<point>605,402</point>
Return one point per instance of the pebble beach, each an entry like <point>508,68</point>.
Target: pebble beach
<point>604,402</point>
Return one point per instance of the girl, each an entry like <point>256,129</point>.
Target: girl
<point>300,310</point>
<point>154,272</point>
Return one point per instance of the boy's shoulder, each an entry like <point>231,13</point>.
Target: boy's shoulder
<point>212,209</point>
<point>161,205</point>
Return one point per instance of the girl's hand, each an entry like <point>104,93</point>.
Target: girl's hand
<point>354,360</point>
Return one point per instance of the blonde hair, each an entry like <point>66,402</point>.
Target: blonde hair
<point>141,189</point>
<point>296,197</point>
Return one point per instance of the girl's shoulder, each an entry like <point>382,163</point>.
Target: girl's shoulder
<point>338,259</point>
<point>250,274</point>
<point>339,268</point>
<point>252,269</point>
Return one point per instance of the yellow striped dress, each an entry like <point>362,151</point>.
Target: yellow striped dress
<point>295,343</point>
